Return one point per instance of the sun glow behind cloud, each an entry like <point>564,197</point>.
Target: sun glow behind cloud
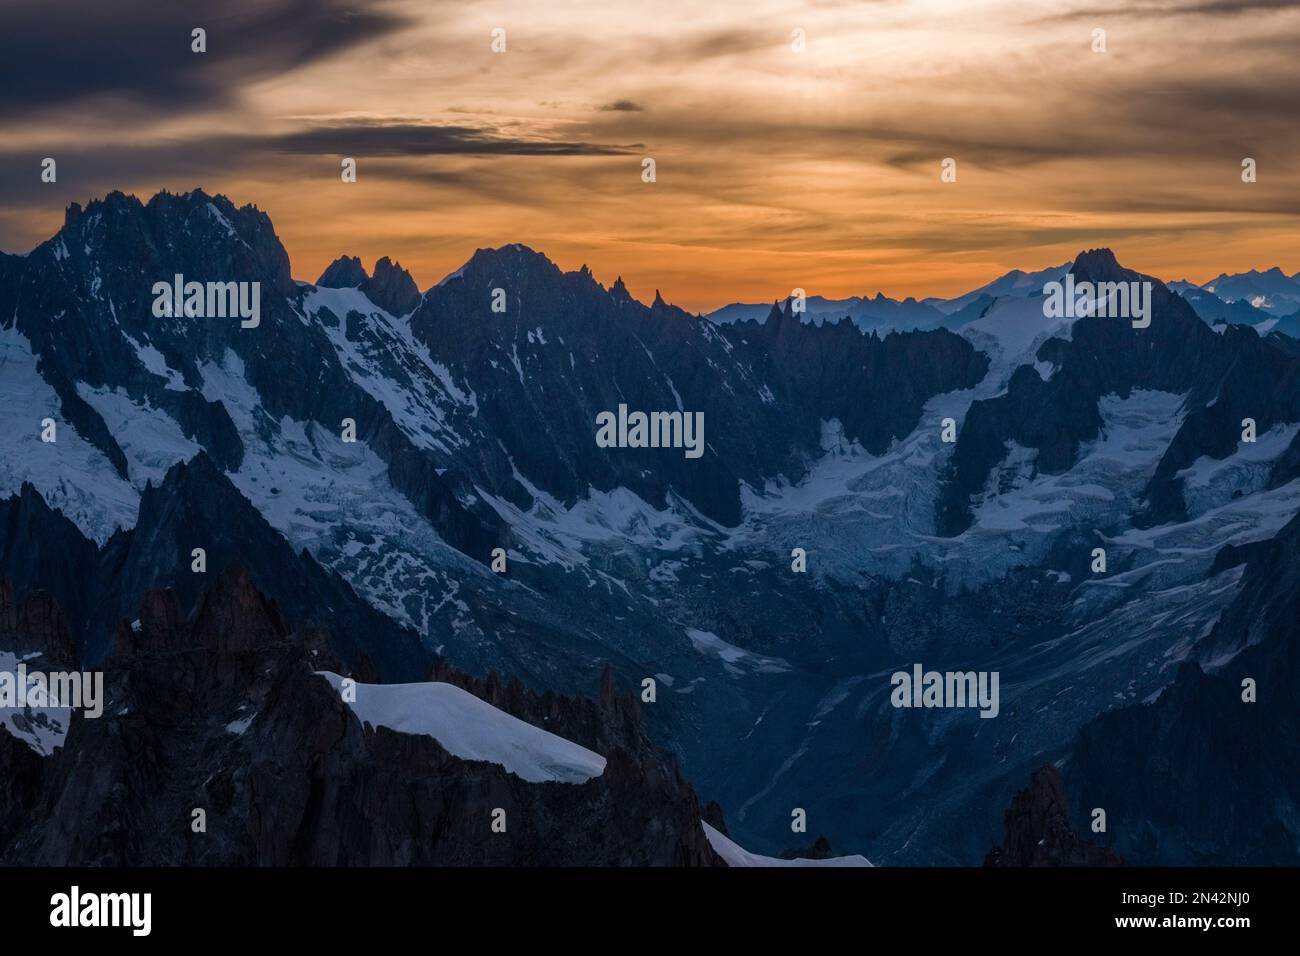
<point>776,169</point>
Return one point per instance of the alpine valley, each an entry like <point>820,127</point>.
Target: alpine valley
<point>732,689</point>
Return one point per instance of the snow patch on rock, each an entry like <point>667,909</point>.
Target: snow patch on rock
<point>472,729</point>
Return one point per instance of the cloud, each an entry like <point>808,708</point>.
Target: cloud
<point>382,138</point>
<point>309,154</point>
<point>773,165</point>
<point>1203,8</point>
<point>57,54</point>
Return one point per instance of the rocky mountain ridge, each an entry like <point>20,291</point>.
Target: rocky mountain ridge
<point>220,745</point>
<point>830,534</point>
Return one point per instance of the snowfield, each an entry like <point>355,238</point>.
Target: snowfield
<point>736,855</point>
<point>72,474</point>
<point>473,729</point>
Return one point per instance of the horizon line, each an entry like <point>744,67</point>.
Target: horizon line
<point>758,301</point>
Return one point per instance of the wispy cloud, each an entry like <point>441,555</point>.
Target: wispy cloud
<point>1192,8</point>
<point>382,138</point>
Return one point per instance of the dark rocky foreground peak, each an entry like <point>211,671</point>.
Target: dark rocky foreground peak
<point>1038,830</point>
<point>220,710</point>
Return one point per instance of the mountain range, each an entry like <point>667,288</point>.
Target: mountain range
<point>475,528</point>
<point>1269,301</point>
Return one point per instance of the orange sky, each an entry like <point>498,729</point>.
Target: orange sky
<point>776,167</point>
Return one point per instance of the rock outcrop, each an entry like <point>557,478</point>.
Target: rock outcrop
<point>391,288</point>
<point>1038,830</point>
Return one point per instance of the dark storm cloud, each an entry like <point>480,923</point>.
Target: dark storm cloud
<point>374,138</point>
<point>56,53</point>
<point>623,106</point>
